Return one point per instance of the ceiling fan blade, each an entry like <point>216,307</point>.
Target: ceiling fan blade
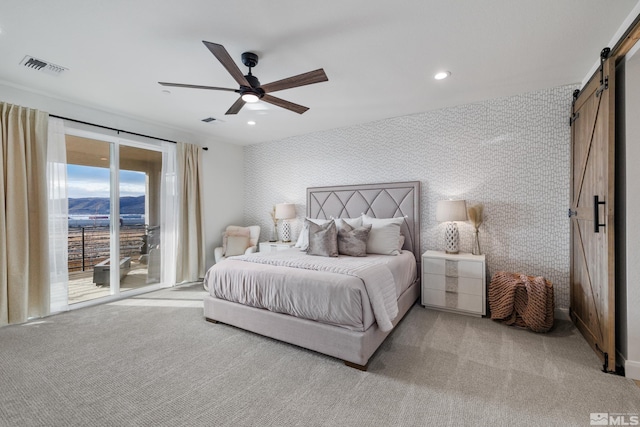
<point>197,86</point>
<point>303,79</point>
<point>225,59</point>
<point>284,104</point>
<point>237,106</point>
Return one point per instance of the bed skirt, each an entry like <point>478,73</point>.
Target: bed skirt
<point>353,347</point>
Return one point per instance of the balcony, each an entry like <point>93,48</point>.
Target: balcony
<point>89,247</point>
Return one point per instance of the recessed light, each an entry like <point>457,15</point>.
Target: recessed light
<point>442,75</point>
<point>251,123</point>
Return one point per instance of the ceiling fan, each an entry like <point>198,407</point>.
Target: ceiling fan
<point>250,88</point>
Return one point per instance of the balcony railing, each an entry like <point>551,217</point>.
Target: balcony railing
<point>89,245</point>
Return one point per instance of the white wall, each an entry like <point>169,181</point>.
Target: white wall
<point>632,256</point>
<point>631,17</point>
<point>224,190</point>
<point>510,154</point>
<point>222,163</point>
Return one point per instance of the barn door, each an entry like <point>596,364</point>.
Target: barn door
<point>592,213</point>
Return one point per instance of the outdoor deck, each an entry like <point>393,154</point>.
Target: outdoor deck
<point>90,246</point>
<point>82,288</point>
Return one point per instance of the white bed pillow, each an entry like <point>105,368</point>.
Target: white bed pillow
<point>303,238</point>
<point>384,237</point>
<point>353,222</point>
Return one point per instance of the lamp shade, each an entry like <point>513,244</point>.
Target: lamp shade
<point>285,210</point>
<point>451,210</point>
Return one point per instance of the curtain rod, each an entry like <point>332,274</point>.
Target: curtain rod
<point>117,130</point>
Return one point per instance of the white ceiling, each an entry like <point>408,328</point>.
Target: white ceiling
<point>380,56</point>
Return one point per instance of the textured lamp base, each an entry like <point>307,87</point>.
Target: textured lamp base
<point>286,231</point>
<point>451,238</point>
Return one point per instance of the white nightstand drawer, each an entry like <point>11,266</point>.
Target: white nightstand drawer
<point>275,246</point>
<point>454,282</point>
<point>451,300</point>
<point>453,268</point>
<point>463,285</point>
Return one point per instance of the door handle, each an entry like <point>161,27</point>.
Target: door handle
<point>596,214</point>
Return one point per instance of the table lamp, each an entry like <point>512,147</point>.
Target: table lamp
<point>285,211</point>
<point>450,211</point>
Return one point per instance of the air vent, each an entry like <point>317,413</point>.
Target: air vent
<point>209,120</point>
<point>41,65</point>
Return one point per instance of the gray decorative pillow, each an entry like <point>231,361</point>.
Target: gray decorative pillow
<point>323,239</point>
<point>353,241</point>
<point>303,238</point>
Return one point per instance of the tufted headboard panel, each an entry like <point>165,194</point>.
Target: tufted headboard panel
<point>388,200</point>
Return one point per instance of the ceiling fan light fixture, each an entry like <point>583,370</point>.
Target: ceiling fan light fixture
<point>250,97</point>
<point>251,91</point>
<point>442,75</point>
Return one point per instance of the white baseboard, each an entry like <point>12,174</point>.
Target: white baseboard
<point>632,369</point>
<point>562,314</point>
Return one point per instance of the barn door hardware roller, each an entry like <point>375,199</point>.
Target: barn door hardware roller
<point>604,81</point>
<point>596,214</point>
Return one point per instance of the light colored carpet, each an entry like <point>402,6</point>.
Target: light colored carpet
<point>153,360</point>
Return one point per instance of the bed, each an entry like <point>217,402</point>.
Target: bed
<point>330,283</point>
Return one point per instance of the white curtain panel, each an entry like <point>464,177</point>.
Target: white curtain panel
<point>24,249</point>
<point>191,246</point>
<point>58,215</point>
<point>168,216</point>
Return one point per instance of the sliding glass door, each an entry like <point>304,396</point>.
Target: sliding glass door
<point>89,194</point>
<point>117,196</point>
<point>140,177</point>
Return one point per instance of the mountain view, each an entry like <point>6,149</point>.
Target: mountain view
<point>100,205</point>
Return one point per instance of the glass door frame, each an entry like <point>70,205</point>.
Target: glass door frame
<point>115,142</point>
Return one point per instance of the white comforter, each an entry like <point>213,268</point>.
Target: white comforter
<point>340,291</point>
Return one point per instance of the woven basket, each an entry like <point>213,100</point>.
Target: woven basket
<point>521,300</point>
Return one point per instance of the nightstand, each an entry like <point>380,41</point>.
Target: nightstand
<point>275,246</point>
<point>454,282</point>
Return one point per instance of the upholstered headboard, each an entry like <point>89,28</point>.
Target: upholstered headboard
<point>388,200</point>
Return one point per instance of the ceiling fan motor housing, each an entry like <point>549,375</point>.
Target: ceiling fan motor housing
<point>253,81</point>
<point>249,59</point>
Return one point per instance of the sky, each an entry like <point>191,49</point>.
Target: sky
<point>90,181</point>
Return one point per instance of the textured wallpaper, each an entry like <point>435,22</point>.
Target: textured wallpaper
<point>509,154</point>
